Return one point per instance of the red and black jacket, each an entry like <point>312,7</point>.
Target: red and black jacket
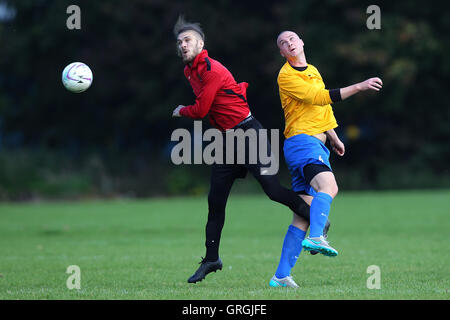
<point>217,93</point>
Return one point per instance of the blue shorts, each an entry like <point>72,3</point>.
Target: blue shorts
<point>299,151</point>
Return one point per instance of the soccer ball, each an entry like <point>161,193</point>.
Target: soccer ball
<point>77,77</point>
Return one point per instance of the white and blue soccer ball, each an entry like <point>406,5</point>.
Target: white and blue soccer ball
<point>77,77</point>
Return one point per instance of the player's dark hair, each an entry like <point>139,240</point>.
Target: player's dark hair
<point>182,26</point>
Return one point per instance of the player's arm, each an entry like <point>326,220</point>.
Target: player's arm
<point>336,144</point>
<point>299,89</point>
<point>211,84</point>
<point>369,84</point>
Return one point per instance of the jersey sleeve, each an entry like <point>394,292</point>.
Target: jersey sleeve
<point>297,88</point>
<point>212,82</point>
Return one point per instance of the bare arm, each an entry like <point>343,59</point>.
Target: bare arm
<point>336,144</point>
<point>369,84</point>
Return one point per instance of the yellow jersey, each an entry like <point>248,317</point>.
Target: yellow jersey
<point>305,101</point>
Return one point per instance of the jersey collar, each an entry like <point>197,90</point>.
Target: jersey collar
<point>203,54</point>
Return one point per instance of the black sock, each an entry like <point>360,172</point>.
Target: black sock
<point>214,227</point>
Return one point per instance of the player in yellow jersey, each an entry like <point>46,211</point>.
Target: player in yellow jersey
<point>309,121</point>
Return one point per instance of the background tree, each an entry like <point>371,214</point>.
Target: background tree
<point>115,137</point>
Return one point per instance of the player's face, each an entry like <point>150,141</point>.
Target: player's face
<point>290,44</point>
<point>189,45</point>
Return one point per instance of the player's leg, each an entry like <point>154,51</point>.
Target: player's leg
<point>276,192</point>
<point>323,182</point>
<point>290,252</point>
<point>300,222</point>
<point>308,198</point>
<point>222,178</point>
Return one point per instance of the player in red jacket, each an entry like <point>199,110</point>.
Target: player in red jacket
<point>219,96</point>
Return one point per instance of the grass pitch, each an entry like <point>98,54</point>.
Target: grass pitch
<point>147,249</point>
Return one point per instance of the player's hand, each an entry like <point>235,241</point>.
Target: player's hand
<point>176,112</point>
<point>338,147</point>
<point>371,84</point>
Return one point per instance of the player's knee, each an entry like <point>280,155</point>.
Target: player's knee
<point>331,189</point>
<point>334,191</point>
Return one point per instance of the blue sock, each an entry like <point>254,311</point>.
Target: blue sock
<point>292,246</point>
<point>320,208</point>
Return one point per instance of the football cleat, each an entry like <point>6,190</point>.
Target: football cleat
<point>205,268</point>
<point>319,244</point>
<point>325,235</point>
<point>283,282</point>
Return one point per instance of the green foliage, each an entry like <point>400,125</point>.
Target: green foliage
<point>28,175</point>
<point>186,181</point>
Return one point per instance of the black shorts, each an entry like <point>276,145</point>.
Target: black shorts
<point>238,168</point>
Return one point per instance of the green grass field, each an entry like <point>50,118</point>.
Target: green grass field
<point>131,249</point>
